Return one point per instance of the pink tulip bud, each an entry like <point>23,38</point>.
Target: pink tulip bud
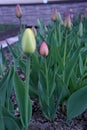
<point>67,22</point>
<point>44,49</point>
<point>18,11</point>
<point>54,15</point>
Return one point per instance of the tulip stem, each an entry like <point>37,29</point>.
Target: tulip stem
<point>47,84</point>
<point>64,58</point>
<point>27,91</point>
<point>20,24</point>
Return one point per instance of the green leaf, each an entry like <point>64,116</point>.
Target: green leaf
<point>8,118</point>
<point>19,88</point>
<point>81,64</point>
<point>6,87</point>
<point>12,51</point>
<point>2,126</point>
<point>70,66</point>
<point>10,124</point>
<point>34,76</point>
<point>4,62</point>
<point>77,103</point>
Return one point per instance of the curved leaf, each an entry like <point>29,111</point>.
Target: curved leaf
<point>77,103</point>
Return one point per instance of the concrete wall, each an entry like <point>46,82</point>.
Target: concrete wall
<point>32,12</point>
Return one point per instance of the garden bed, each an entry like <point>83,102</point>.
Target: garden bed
<point>43,76</point>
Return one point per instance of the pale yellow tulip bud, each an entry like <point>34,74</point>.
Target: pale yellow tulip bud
<point>28,41</point>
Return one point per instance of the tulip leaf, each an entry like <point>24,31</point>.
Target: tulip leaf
<point>34,76</point>
<point>2,126</point>
<point>19,87</point>
<point>9,120</point>
<point>70,66</point>
<point>4,62</point>
<point>77,101</point>
<point>81,64</point>
<point>6,86</point>
<point>12,50</point>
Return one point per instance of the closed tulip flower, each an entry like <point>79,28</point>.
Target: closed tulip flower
<point>44,49</point>
<point>28,41</point>
<point>18,11</point>
<point>54,15</point>
<point>67,22</point>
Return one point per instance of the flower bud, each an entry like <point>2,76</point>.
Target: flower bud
<point>28,41</point>
<point>18,11</point>
<point>54,15</point>
<point>67,22</point>
<point>44,49</point>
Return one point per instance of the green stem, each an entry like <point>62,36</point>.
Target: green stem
<point>47,84</point>
<point>86,61</point>
<point>64,59</point>
<point>27,91</point>
<point>20,24</point>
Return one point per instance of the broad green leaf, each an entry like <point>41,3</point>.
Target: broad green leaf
<point>2,125</point>
<point>8,116</point>
<point>77,103</point>
<point>19,87</point>
<point>10,124</point>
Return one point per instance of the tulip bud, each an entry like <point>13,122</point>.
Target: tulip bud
<point>34,31</point>
<point>80,32</point>
<point>67,22</point>
<point>54,15</point>
<point>44,49</point>
<point>28,41</point>
<point>18,11</point>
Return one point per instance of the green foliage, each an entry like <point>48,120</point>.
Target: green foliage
<point>77,101</point>
<point>20,91</point>
<point>57,78</point>
<point>67,57</point>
